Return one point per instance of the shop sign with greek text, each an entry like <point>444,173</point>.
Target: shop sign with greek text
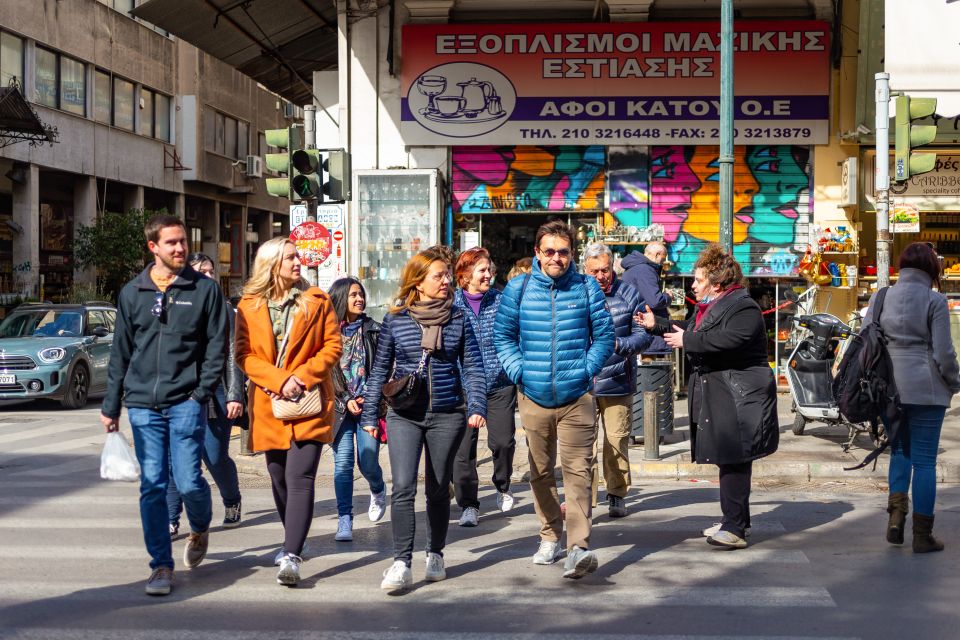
<point>937,190</point>
<point>612,84</point>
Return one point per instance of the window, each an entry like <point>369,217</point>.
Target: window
<point>73,86</point>
<point>101,96</point>
<point>11,58</point>
<point>243,140</point>
<point>111,319</point>
<point>146,112</point>
<point>209,130</point>
<point>123,104</point>
<point>46,78</point>
<point>230,137</point>
<point>95,319</point>
<point>162,116</point>
<point>219,145</point>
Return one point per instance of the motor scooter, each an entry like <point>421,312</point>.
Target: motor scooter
<point>810,371</point>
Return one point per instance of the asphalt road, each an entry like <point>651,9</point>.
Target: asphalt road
<point>72,564</point>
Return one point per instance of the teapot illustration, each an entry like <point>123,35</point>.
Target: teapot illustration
<point>477,96</point>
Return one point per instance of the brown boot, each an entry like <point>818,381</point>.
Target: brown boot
<point>898,504</point>
<point>923,540</point>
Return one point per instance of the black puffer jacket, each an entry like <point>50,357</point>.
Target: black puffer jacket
<point>731,390</point>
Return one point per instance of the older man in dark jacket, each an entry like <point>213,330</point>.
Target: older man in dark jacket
<point>644,272</point>
<point>615,383</point>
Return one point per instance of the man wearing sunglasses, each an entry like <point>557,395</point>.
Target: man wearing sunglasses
<point>167,359</point>
<point>553,334</point>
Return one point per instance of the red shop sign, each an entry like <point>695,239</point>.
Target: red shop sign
<point>313,243</point>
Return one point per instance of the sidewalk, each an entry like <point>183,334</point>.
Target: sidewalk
<point>816,455</point>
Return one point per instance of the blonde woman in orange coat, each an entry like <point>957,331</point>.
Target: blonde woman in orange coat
<point>276,301</point>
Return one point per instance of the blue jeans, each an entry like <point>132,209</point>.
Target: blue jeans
<point>368,460</point>
<point>216,456</point>
<point>165,438</point>
<point>923,429</point>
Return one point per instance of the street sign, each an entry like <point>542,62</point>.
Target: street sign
<point>338,236</point>
<point>313,243</point>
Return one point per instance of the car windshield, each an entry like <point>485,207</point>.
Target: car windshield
<point>42,322</point>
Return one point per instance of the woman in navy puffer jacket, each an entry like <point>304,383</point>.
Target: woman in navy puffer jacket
<point>424,326</point>
<point>479,302</point>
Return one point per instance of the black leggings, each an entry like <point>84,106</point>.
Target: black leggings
<point>293,473</point>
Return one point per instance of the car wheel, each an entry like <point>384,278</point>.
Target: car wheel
<point>77,388</point>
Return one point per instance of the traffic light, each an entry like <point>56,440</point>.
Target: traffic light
<point>336,174</point>
<point>288,141</point>
<point>908,136</point>
<point>305,165</point>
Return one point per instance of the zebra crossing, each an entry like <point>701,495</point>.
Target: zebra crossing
<point>73,564</point>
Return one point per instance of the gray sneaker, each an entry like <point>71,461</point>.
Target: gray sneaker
<point>469,517</point>
<point>160,582</point>
<point>617,507</point>
<point>579,563</point>
<point>548,553</point>
<point>289,574</point>
<point>727,540</point>
<point>435,571</point>
<point>196,549</point>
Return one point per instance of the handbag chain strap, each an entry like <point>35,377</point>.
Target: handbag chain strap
<point>423,361</point>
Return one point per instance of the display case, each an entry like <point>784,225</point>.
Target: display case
<point>397,214</point>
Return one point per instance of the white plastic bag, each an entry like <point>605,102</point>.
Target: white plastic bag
<point>117,462</point>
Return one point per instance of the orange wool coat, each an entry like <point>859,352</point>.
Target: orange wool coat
<point>313,350</point>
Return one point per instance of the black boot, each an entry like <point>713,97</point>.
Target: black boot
<point>898,504</point>
<point>923,540</point>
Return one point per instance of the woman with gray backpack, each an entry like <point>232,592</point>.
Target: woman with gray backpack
<point>916,323</point>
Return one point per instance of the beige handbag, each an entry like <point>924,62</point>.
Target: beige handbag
<point>307,405</point>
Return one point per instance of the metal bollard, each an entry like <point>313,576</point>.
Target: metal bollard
<point>651,435</point>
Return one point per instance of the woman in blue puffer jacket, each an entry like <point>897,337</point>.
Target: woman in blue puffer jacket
<point>424,331</point>
<point>479,302</point>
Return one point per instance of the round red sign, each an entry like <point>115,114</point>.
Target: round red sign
<point>313,243</point>
<point>338,235</point>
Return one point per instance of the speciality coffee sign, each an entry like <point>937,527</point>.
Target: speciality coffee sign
<point>621,83</point>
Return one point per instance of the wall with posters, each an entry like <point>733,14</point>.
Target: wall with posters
<point>464,84</point>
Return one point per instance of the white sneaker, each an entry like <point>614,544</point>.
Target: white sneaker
<point>505,501</point>
<point>469,517</point>
<point>397,577</point>
<point>435,571</point>
<point>548,553</point>
<point>277,558</point>
<point>289,574</point>
<point>579,563</point>
<point>378,506</point>
<point>711,531</point>
<point>344,529</point>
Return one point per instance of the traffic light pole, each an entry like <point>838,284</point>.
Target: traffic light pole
<point>882,178</point>
<point>310,142</point>
<point>726,125</point>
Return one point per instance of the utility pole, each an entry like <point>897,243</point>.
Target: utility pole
<point>310,142</point>
<point>726,125</point>
<point>882,178</point>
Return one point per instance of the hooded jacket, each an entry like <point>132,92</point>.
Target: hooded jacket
<point>556,339</point>
<point>644,275</point>
<point>167,347</point>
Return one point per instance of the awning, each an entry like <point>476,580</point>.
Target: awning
<point>18,122</point>
<point>278,43</point>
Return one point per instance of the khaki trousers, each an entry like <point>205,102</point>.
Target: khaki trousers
<point>615,411</point>
<point>574,427</point>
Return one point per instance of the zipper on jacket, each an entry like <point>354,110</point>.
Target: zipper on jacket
<point>156,383</point>
<point>553,354</point>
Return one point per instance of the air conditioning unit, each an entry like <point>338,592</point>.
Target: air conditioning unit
<point>254,167</point>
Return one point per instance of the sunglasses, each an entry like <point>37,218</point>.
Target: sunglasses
<point>550,252</point>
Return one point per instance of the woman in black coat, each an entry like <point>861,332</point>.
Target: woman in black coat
<point>731,390</point>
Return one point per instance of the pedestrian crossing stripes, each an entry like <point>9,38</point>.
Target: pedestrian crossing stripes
<point>195,634</point>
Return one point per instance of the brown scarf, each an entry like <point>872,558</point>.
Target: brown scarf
<point>431,315</point>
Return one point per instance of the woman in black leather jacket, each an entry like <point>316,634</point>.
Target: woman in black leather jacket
<point>224,409</point>
<point>360,335</point>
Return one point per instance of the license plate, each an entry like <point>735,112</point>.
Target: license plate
<point>11,379</point>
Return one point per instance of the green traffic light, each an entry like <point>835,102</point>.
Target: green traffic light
<point>909,136</point>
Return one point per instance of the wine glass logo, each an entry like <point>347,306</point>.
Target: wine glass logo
<point>431,86</point>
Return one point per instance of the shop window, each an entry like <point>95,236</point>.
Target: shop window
<point>146,112</point>
<point>123,104</point>
<point>73,86</point>
<point>101,96</point>
<point>11,58</point>
<point>46,78</point>
<point>162,117</point>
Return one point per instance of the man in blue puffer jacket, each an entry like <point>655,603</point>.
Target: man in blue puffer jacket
<point>553,334</point>
<point>615,384</point>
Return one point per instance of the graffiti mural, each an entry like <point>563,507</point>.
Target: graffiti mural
<point>628,181</point>
<point>489,179</point>
<point>771,203</point>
